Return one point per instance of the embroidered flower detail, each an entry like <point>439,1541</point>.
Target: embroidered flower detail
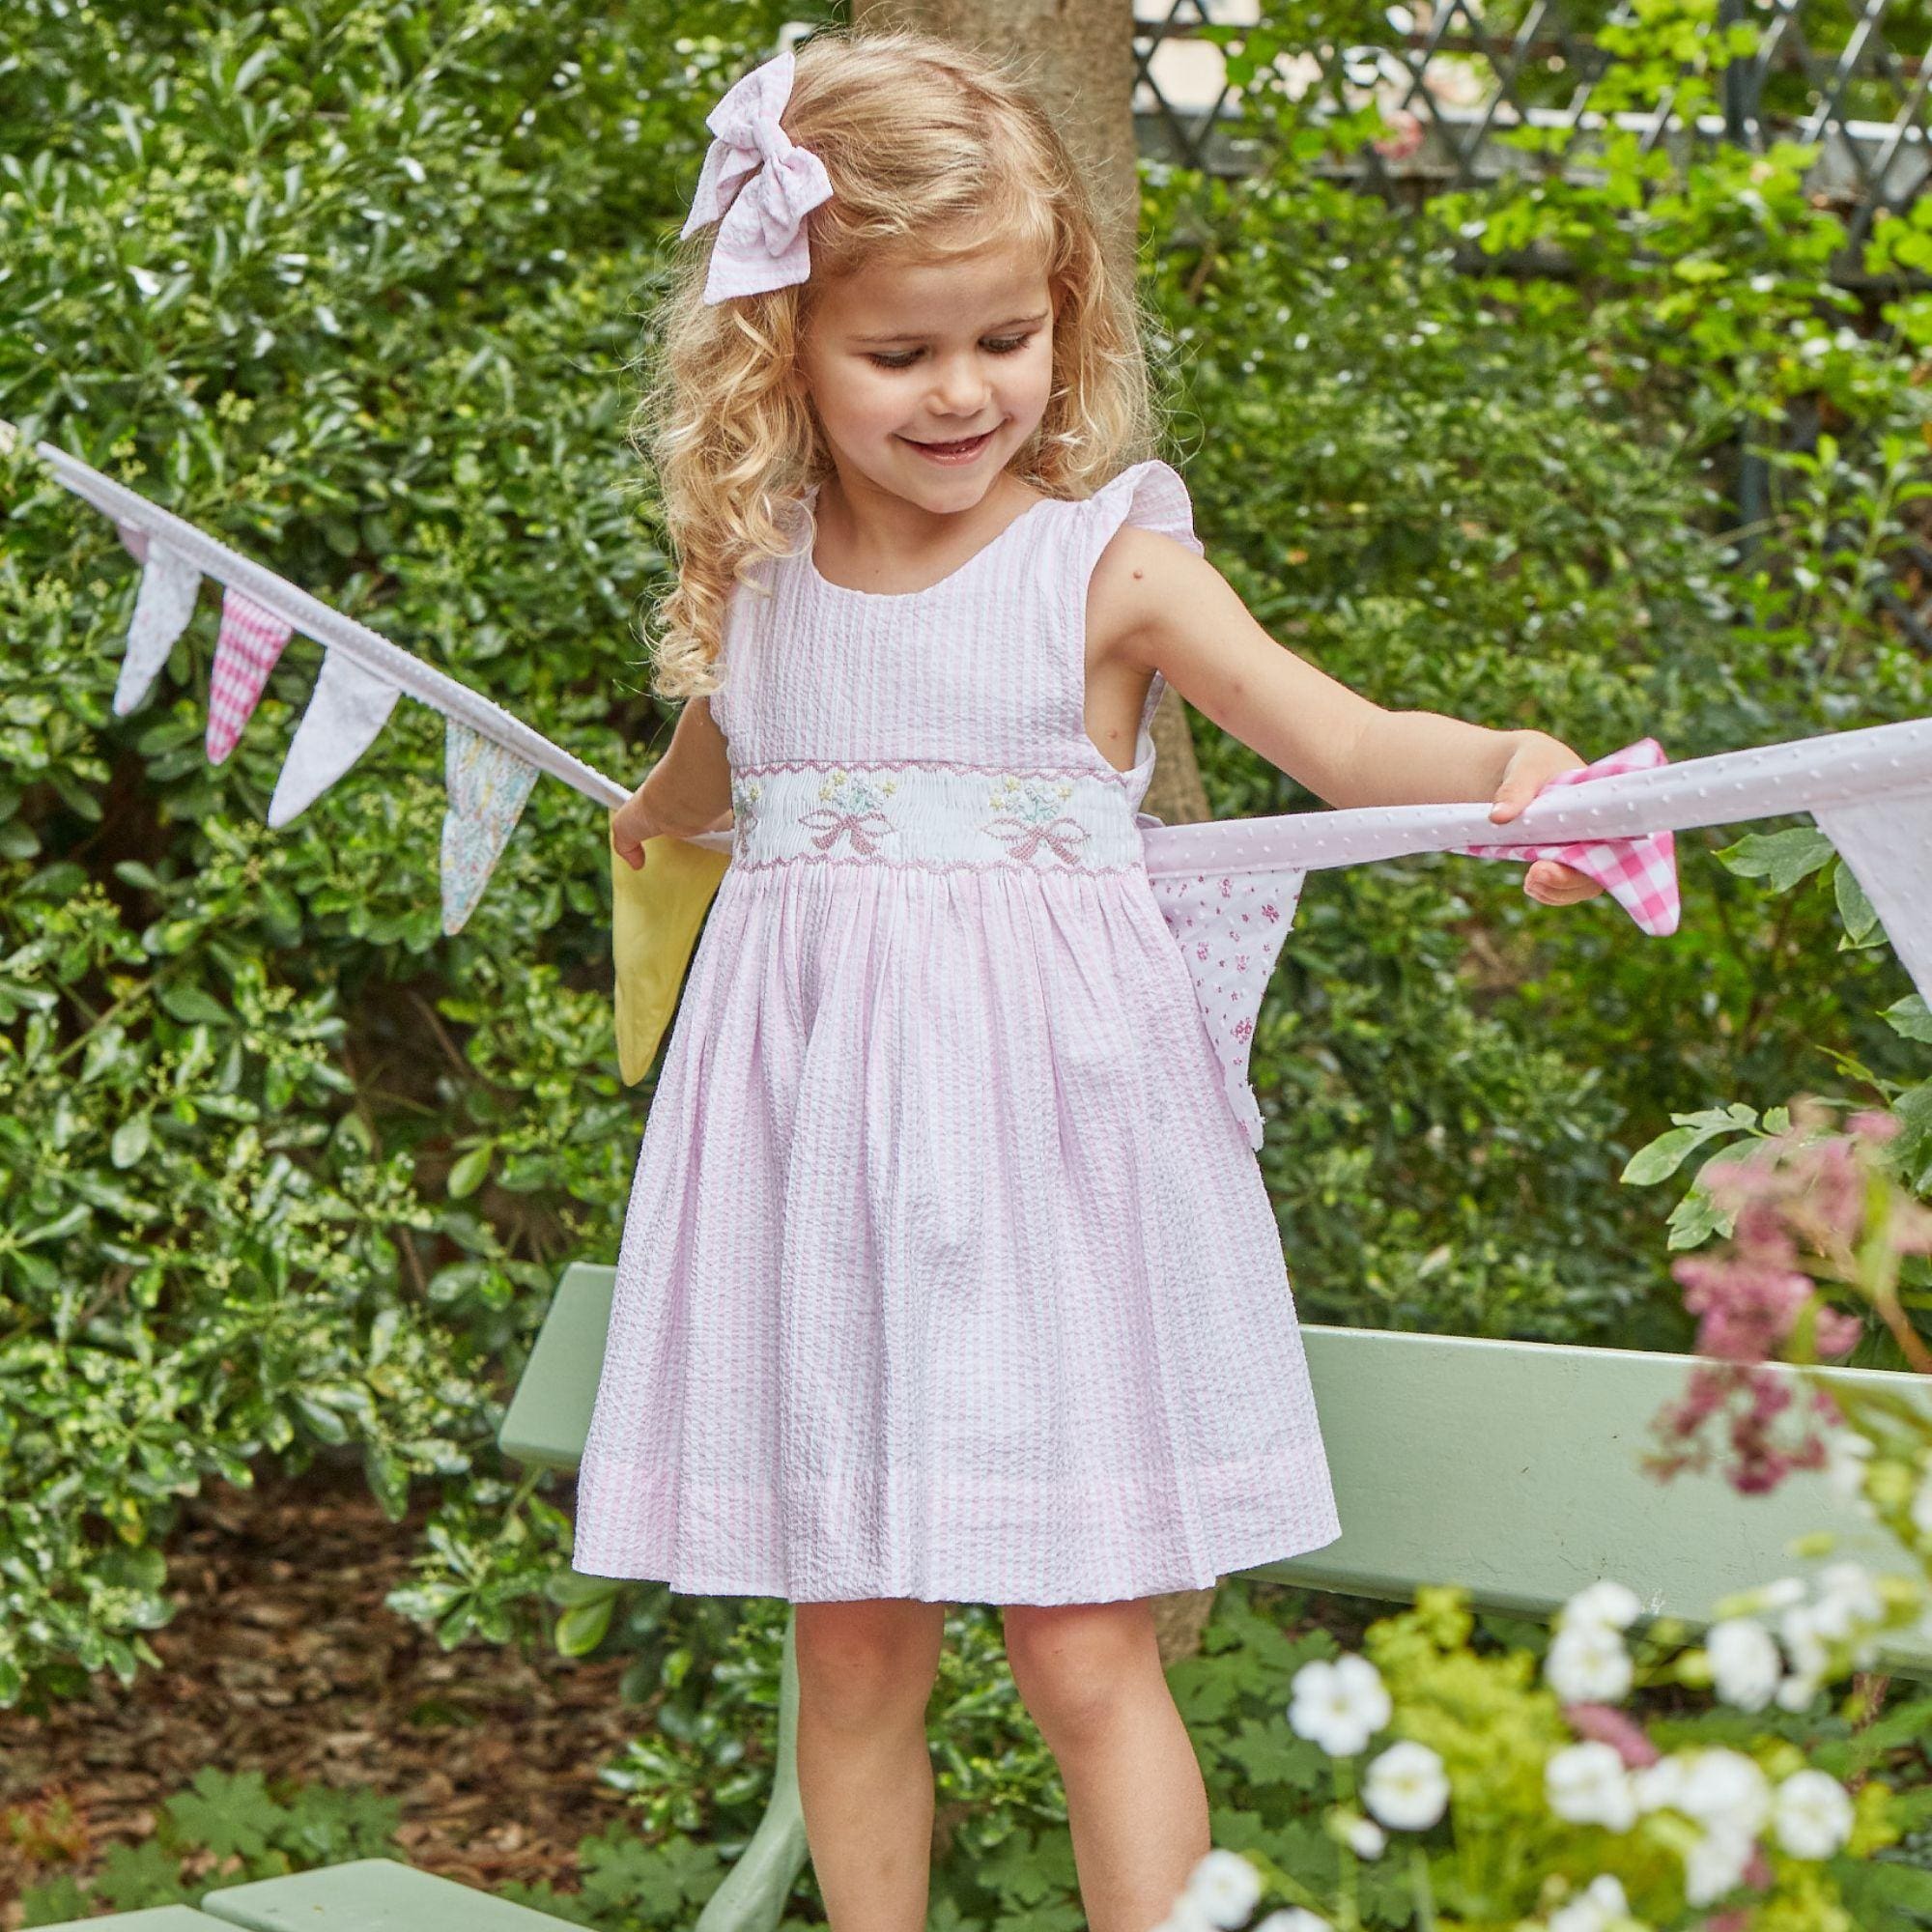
<point>1029,815</point>
<point>1243,1028</point>
<point>851,810</point>
<point>745,793</point>
<point>1270,912</point>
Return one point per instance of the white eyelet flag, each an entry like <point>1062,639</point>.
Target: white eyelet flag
<point>487,785</point>
<point>1888,843</point>
<point>245,650</point>
<point>346,714</point>
<point>162,606</point>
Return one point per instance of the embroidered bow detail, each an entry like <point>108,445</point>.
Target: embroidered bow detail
<point>1639,873</point>
<point>863,827</point>
<point>758,186</point>
<point>1063,837</point>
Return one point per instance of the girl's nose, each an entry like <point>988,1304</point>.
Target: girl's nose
<point>961,388</point>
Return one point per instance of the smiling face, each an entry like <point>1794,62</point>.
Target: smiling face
<point>898,360</point>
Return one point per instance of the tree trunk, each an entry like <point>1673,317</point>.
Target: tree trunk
<point>1079,56</point>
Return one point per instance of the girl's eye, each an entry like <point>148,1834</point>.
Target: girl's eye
<point>1005,346</point>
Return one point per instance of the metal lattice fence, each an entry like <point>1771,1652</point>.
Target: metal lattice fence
<point>1454,77</point>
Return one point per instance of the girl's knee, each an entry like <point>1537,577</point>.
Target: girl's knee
<point>865,1663</point>
<point>1071,1661</point>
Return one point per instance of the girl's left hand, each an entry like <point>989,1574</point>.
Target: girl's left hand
<point>1536,761</point>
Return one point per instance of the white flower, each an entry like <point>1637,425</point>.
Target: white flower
<point>1407,1787</point>
<point>1847,1597</point>
<point>1813,1814</point>
<point>1587,1663</point>
<point>1588,1784</point>
<point>1726,1791</point>
<point>1608,1603</point>
<point>1339,1705</point>
<point>1187,1915</point>
<point>1921,1508</point>
<point>1659,1786</point>
<point>1225,1886</point>
<point>1847,1455</point>
<point>1596,1909</point>
<point>1809,1657</point>
<point>1745,1663</point>
<point>1715,1864</point>
<point>1366,1838</point>
<point>1780,1595</point>
<point>1293,1918</point>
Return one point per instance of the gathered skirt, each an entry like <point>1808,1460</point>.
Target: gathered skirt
<point>947,1272</point>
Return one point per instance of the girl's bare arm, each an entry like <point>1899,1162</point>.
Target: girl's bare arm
<point>689,788</point>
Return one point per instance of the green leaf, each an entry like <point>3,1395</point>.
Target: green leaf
<point>469,1172</point>
<point>1781,858</point>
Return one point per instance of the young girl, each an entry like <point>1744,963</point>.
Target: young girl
<point>948,1273</point>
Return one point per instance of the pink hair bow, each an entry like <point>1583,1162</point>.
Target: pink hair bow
<point>760,184</point>
<point>1639,873</point>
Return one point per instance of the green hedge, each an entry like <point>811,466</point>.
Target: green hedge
<point>358,287</point>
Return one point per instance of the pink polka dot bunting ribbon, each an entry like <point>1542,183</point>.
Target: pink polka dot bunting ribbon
<point>1229,926</point>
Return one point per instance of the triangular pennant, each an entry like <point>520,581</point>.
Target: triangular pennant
<point>250,640</point>
<point>1639,873</point>
<point>1888,843</point>
<point>162,606</point>
<point>347,709</point>
<point>487,788</point>
<point>1230,928</point>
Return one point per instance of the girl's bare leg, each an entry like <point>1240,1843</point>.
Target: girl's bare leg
<point>1091,1676</point>
<point>865,1777</point>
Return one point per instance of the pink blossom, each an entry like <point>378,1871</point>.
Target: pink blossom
<point>1605,1725</point>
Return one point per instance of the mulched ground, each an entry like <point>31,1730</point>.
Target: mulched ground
<point>282,1659</point>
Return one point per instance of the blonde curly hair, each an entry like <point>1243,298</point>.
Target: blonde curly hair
<point>932,152</point>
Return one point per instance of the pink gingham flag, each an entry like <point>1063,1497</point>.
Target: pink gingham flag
<point>1639,873</point>
<point>250,640</point>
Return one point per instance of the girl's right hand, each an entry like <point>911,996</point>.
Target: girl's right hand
<point>631,824</point>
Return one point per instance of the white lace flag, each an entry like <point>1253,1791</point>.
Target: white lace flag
<point>162,606</point>
<point>346,711</point>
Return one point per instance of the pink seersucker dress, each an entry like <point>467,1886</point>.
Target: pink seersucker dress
<point>948,1272</point>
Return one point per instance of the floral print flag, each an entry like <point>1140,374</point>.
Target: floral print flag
<point>349,708</point>
<point>487,788</point>
<point>1230,928</point>
<point>162,606</point>
<point>250,640</point>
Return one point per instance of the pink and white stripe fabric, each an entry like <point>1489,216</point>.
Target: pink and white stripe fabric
<point>251,642</point>
<point>946,1273</point>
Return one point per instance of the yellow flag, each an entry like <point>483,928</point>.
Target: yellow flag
<point>656,914</point>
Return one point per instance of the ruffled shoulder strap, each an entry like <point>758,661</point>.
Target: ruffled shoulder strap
<point>1149,493</point>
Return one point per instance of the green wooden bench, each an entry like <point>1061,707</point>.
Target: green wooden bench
<point>1510,1467</point>
<point>361,1895</point>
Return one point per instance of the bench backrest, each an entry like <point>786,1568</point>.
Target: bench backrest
<point>1511,1468</point>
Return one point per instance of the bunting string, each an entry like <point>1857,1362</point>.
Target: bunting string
<point>1227,887</point>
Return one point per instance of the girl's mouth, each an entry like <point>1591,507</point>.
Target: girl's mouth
<point>951,452</point>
